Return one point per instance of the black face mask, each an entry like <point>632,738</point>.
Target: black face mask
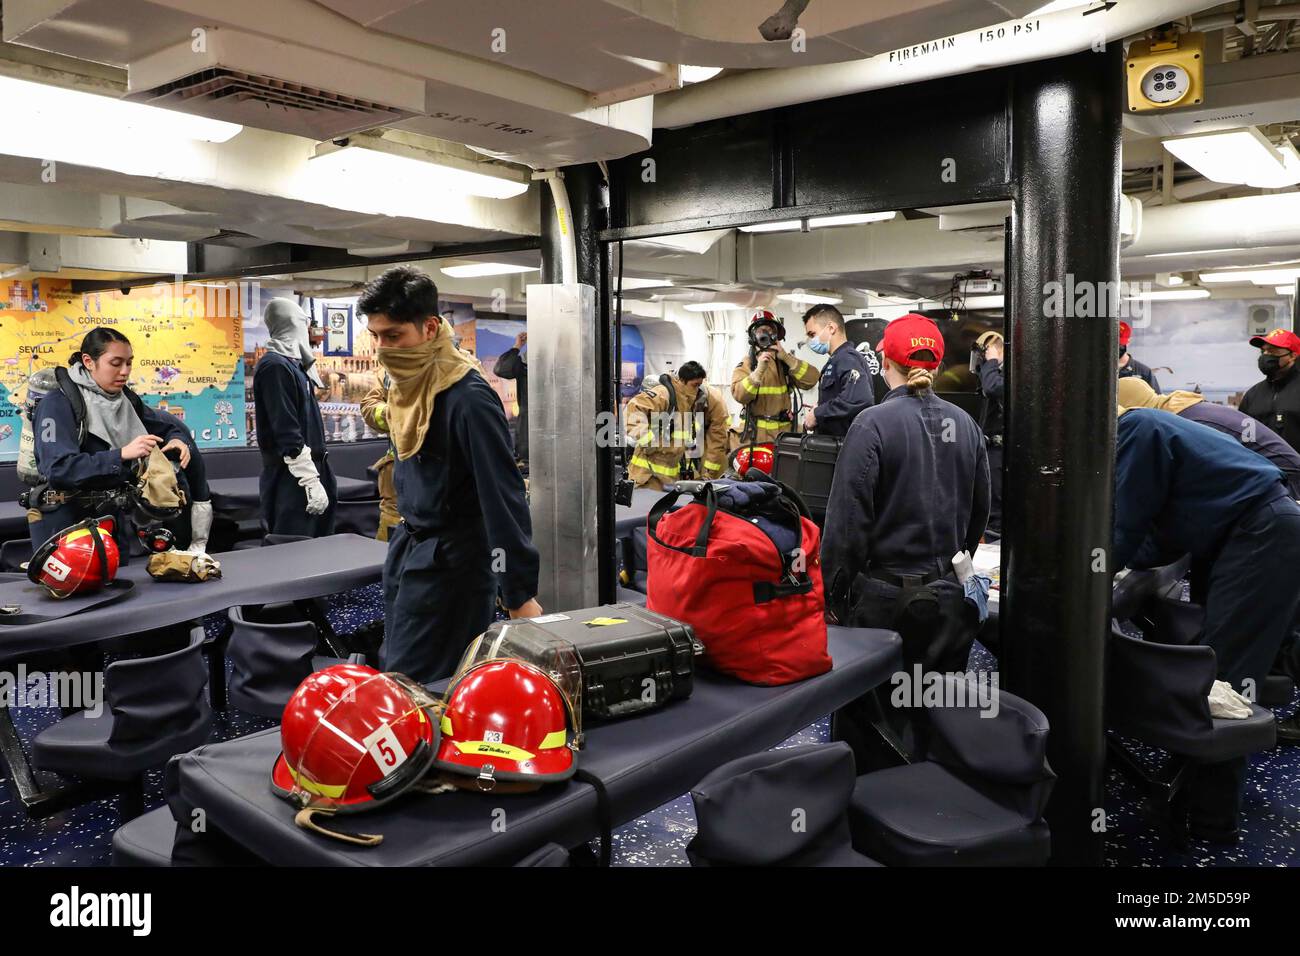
<point>1270,364</point>
<point>1123,350</point>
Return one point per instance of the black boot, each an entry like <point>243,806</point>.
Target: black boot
<point>1288,731</point>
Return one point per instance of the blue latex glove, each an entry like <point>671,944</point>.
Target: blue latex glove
<point>977,593</point>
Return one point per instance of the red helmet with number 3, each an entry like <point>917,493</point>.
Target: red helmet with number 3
<point>762,457</point>
<point>352,739</point>
<point>77,560</point>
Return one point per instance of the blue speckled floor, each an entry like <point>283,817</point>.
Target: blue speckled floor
<point>1270,833</point>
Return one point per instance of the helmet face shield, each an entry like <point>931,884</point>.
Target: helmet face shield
<point>354,738</point>
<point>513,711</point>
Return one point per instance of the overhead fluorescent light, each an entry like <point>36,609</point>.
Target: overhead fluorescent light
<point>712,307</point>
<point>1270,276</point>
<point>1176,279</point>
<point>403,176</point>
<point>810,298</point>
<point>697,74</point>
<point>632,283</point>
<point>820,222</point>
<point>1290,173</point>
<point>1242,156</point>
<point>984,302</point>
<point>788,225</point>
<point>1193,252</point>
<point>35,106</point>
<point>475,270</point>
<point>1165,295</point>
<point>1285,290</point>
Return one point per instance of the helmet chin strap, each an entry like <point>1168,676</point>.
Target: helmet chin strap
<point>306,819</point>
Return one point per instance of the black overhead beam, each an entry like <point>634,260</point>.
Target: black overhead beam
<point>209,262</point>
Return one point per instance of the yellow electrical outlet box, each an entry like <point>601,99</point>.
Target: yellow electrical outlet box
<point>1166,72</point>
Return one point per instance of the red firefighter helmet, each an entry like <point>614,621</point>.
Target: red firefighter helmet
<point>352,738</point>
<point>764,317</point>
<point>77,560</point>
<point>506,720</point>
<point>762,457</point>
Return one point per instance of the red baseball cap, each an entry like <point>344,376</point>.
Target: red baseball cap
<point>1280,338</point>
<point>913,333</point>
<point>1125,333</point>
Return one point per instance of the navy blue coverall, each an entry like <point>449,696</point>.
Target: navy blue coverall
<point>843,391</point>
<point>466,532</point>
<point>287,418</point>
<point>1262,439</point>
<point>1183,488</point>
<point>88,466</point>
<point>911,489</point>
<point>993,385</point>
<point>511,365</point>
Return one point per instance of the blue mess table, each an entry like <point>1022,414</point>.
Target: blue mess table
<point>643,763</point>
<point>298,571</point>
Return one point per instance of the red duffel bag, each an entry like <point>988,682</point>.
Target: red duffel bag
<point>741,565</point>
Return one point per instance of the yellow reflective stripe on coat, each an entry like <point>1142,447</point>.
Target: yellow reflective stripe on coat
<point>494,749</point>
<point>749,386</point>
<point>381,416</point>
<point>712,466</point>
<point>770,423</point>
<point>773,390</point>
<point>646,439</point>
<point>639,462</point>
<point>803,367</point>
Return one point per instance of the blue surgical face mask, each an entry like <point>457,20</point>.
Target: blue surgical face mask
<point>816,345</point>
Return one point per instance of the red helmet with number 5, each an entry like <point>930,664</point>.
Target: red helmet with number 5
<point>352,738</point>
<point>77,560</point>
<point>762,457</point>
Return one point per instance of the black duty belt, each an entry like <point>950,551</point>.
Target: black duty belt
<point>899,580</point>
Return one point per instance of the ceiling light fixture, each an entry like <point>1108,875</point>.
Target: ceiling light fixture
<point>394,178</point>
<point>475,270</point>
<point>1269,276</point>
<point>712,307</point>
<point>35,106</point>
<point>1241,156</point>
<point>850,219</point>
<point>787,225</point>
<point>1165,295</point>
<point>810,298</point>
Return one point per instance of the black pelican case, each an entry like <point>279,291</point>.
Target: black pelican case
<point>806,462</point>
<point>633,660</point>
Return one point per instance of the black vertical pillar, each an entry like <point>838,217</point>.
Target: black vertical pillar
<point>589,208</point>
<point>1058,495</point>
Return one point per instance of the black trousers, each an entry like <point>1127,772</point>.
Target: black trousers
<point>942,648</point>
<point>1251,601</point>
<point>995,488</point>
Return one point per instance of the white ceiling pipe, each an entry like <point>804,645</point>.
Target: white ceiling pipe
<point>1016,41</point>
<point>1249,222</point>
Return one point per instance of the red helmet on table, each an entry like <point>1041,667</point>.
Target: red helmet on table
<point>77,560</point>
<point>352,739</point>
<point>506,720</point>
<point>762,457</point>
